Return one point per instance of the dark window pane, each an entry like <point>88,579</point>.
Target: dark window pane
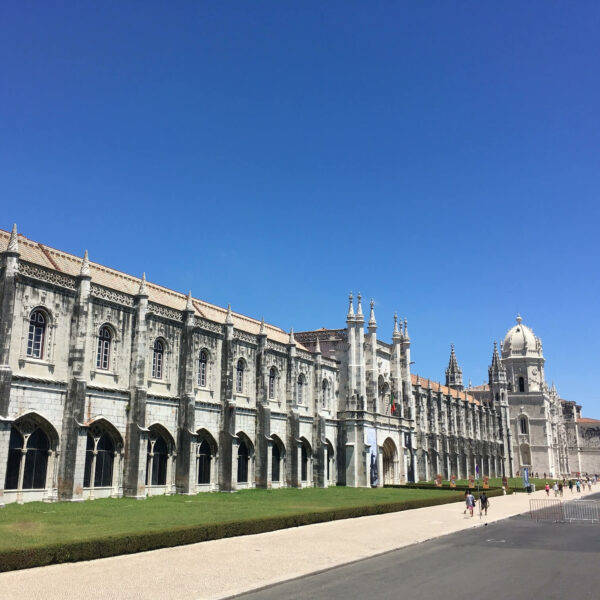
<point>304,464</point>
<point>242,471</point>
<point>204,457</point>
<point>15,444</point>
<point>276,457</point>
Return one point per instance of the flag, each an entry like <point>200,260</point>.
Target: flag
<point>392,404</point>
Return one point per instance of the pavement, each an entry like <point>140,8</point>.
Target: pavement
<point>228,567</point>
<point>516,558</point>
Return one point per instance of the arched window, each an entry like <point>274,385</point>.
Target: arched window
<point>31,471</point>
<point>104,340</point>
<point>239,379</point>
<point>523,425</point>
<point>330,456</point>
<point>304,463</point>
<point>158,359</point>
<point>158,456</point>
<point>275,462</point>
<point>301,382</point>
<point>204,458</point>
<point>272,382</point>
<point>202,364</point>
<point>521,384</point>
<point>99,460</point>
<point>37,334</point>
<point>325,393</point>
<point>243,460</point>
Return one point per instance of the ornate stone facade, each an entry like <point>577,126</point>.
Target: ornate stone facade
<point>111,385</point>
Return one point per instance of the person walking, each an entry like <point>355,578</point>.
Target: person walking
<point>578,486</point>
<point>547,488</point>
<point>470,502</point>
<point>466,502</point>
<point>555,489</point>
<point>571,485</point>
<point>484,503</point>
<point>560,488</point>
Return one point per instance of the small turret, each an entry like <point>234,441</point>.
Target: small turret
<point>317,349</point>
<point>454,372</point>
<point>262,330</point>
<point>396,334</point>
<point>85,266</point>
<point>350,316</point>
<point>189,306</point>
<point>229,316</point>
<point>292,341</point>
<point>143,291</point>
<point>13,242</point>
<point>359,312</point>
<point>372,320</point>
<point>406,336</point>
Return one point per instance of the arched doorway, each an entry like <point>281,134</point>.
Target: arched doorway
<point>206,453</point>
<point>277,456</point>
<point>330,458</point>
<point>389,462</point>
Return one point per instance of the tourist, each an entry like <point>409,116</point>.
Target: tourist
<point>578,485</point>
<point>470,502</point>
<point>560,488</point>
<point>547,488</point>
<point>571,485</point>
<point>466,502</point>
<point>484,503</point>
<point>555,489</point>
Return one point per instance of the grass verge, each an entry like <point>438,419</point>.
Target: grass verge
<point>39,534</point>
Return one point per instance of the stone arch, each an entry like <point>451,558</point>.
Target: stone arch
<point>277,459</point>
<point>305,461</point>
<point>103,459</point>
<point>160,459</point>
<point>206,458</point>
<point>390,461</point>
<point>330,463</point>
<point>525,452</point>
<point>245,459</point>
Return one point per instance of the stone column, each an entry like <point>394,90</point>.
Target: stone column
<point>263,414</point>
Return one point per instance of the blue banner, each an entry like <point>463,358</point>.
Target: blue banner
<point>525,477</point>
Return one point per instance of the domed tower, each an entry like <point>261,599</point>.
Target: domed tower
<point>523,359</point>
<point>534,443</point>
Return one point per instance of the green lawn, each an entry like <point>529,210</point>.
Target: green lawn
<point>38,524</point>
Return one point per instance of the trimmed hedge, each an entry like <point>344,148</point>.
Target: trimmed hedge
<point>26,558</point>
<point>446,487</point>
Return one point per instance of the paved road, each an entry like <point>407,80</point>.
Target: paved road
<point>517,559</point>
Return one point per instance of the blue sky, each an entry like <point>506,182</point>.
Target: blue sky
<point>440,157</point>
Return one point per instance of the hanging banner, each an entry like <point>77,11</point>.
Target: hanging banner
<point>486,482</point>
<point>452,481</point>
<point>373,466</point>
<point>525,477</point>
<point>471,481</point>
<point>438,480</point>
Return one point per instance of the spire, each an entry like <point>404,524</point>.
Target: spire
<point>189,307</point>
<point>495,357</point>
<point>85,266</point>
<point>262,330</point>
<point>406,336</point>
<point>519,318</point>
<point>496,371</point>
<point>350,307</point>
<point>359,312</point>
<point>372,321</point>
<point>396,335</point>
<point>454,372</point>
<point>13,242</point>
<point>229,317</point>
<point>292,341</point>
<point>143,291</point>
<point>317,347</point>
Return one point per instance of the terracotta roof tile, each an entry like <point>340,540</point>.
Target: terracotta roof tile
<point>438,387</point>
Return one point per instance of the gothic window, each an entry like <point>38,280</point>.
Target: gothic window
<point>104,341</point>
<point>158,457</point>
<point>239,379</point>
<point>272,382</point>
<point>329,460</point>
<point>158,359</point>
<point>202,364</point>
<point>275,462</point>
<point>243,460</point>
<point>37,334</point>
<point>304,469</point>
<point>523,425</point>
<point>204,458</point>
<point>521,384</point>
<point>301,384</point>
<point>99,460</point>
<point>32,470</point>
<point>325,393</point>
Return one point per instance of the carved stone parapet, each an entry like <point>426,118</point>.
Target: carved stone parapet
<point>164,311</point>
<point>208,325</point>
<point>104,293</point>
<point>244,336</point>
<point>276,346</point>
<point>47,275</point>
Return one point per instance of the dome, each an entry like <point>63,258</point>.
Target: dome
<point>521,341</point>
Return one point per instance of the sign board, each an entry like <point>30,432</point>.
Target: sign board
<point>438,480</point>
<point>476,471</point>
<point>452,481</point>
<point>471,481</point>
<point>486,482</point>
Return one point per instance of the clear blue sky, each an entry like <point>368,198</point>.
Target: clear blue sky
<point>440,157</point>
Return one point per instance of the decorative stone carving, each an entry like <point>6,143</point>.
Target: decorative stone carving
<point>41,274</point>
<point>164,311</point>
<point>244,337</point>
<point>99,291</point>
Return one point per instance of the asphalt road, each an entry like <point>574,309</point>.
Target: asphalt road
<point>517,559</point>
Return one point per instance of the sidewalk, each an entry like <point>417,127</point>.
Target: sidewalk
<point>222,568</point>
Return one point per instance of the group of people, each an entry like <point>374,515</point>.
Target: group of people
<point>578,484</point>
<point>470,503</point>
